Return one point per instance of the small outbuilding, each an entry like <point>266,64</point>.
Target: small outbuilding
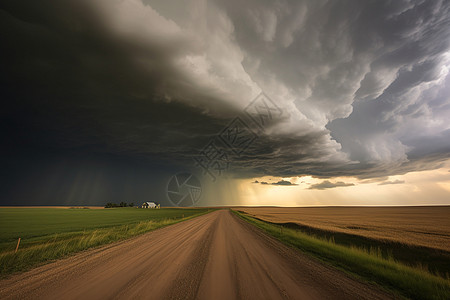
<point>150,205</point>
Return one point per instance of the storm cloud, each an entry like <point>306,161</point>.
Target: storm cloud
<point>329,185</point>
<point>363,87</point>
<point>284,182</point>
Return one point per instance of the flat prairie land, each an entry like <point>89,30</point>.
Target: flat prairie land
<point>213,256</point>
<point>427,226</point>
<point>52,233</point>
<point>50,206</point>
<point>37,225</point>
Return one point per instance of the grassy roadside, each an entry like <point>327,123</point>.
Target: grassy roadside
<point>55,246</point>
<point>436,261</point>
<point>414,283</point>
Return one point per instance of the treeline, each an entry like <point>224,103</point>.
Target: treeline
<point>121,204</point>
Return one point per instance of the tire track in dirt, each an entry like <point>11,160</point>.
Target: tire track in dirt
<point>189,279</point>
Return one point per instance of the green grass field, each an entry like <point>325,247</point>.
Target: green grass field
<point>370,265</point>
<point>51,233</point>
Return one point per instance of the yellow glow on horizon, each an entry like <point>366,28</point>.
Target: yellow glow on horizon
<point>415,188</point>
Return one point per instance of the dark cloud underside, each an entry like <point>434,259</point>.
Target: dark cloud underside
<point>120,86</point>
<point>329,185</point>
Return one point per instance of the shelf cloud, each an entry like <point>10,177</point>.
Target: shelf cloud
<point>362,87</point>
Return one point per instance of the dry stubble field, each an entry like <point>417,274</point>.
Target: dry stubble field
<point>418,226</point>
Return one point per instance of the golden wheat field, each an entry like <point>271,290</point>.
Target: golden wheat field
<point>420,226</point>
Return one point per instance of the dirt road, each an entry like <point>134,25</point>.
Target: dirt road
<point>215,256</point>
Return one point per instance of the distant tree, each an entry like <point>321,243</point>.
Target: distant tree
<point>131,204</point>
<point>123,204</point>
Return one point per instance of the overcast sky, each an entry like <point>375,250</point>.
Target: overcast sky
<point>106,99</point>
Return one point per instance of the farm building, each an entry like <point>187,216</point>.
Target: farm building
<point>150,205</point>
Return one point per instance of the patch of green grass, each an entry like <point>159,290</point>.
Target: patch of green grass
<point>35,225</point>
<point>414,283</point>
<point>52,233</point>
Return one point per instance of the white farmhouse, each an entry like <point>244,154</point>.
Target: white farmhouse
<point>150,205</point>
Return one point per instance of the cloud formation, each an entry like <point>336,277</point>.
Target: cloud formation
<point>284,182</point>
<point>329,185</point>
<point>281,182</point>
<point>363,87</point>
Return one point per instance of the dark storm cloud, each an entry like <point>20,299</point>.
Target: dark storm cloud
<point>281,182</point>
<point>375,74</point>
<point>329,185</point>
<point>284,182</point>
<point>76,87</point>
<point>76,80</point>
<point>363,86</point>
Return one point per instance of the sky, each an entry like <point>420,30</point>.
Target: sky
<point>279,102</point>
